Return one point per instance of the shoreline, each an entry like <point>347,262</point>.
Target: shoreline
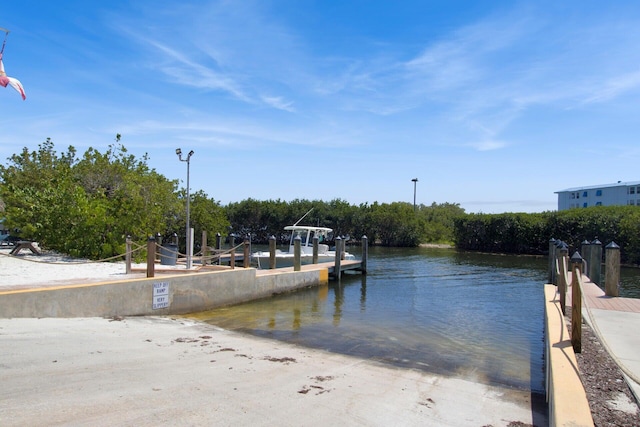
<point>162,371</point>
<point>176,370</point>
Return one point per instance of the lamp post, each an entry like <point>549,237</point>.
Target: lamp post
<point>415,181</point>
<point>188,234</point>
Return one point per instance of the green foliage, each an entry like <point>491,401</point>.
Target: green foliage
<point>205,215</point>
<point>437,221</point>
<point>394,224</point>
<point>530,233</point>
<point>86,207</point>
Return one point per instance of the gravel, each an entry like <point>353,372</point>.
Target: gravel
<point>611,401</point>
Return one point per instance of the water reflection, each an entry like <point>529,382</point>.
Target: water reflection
<point>476,316</point>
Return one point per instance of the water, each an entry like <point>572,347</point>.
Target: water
<point>629,282</point>
<point>479,317</point>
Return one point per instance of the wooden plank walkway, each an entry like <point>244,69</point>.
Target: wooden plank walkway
<point>596,298</point>
<point>345,265</point>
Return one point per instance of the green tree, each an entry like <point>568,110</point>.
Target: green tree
<point>86,207</point>
<point>396,224</point>
<point>205,214</point>
<point>41,199</point>
<point>437,221</point>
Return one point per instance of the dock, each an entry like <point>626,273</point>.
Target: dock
<point>616,321</point>
<point>345,265</point>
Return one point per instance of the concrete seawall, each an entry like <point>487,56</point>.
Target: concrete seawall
<point>160,295</point>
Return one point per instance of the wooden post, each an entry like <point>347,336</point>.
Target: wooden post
<point>232,254</point>
<point>246,260</point>
<point>612,270</point>
<point>272,252</point>
<point>552,260</point>
<point>365,253</point>
<point>563,255</point>
<point>218,246</point>
<point>128,256</point>
<point>151,256</point>
<point>559,245</point>
<point>344,249</point>
<point>297,241</point>
<point>556,264</point>
<point>316,243</point>
<point>595,262</point>
<point>338,266</point>
<point>576,303</point>
<point>585,252</point>
<point>205,248</point>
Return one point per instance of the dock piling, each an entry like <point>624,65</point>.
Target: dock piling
<point>272,252</point>
<point>297,242</point>
<point>365,253</point>
<point>612,270</point>
<point>246,260</point>
<point>316,242</point>
<point>576,303</point>
<point>561,279</point>
<point>151,256</point>
<point>338,264</point>
<point>595,261</point>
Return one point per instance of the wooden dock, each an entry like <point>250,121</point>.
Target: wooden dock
<point>345,265</point>
<point>595,298</point>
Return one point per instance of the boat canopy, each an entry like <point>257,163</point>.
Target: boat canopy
<point>307,233</point>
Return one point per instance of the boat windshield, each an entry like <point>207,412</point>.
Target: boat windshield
<point>307,233</point>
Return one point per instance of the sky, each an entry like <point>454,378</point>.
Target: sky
<point>494,105</point>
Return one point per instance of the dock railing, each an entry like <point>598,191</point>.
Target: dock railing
<point>565,394</point>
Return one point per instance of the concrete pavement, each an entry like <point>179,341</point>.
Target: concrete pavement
<point>616,321</point>
<point>149,371</point>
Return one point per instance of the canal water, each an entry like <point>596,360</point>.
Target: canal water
<point>475,316</point>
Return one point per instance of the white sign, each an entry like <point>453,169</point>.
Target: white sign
<point>160,295</point>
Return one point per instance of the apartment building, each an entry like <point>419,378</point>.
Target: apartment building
<point>620,193</point>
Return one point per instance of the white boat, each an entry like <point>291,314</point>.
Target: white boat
<point>306,234</point>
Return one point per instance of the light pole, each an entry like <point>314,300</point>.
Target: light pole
<point>188,234</point>
<point>415,181</point>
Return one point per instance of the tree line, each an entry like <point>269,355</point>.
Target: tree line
<point>387,224</point>
<point>520,233</point>
<point>86,206</point>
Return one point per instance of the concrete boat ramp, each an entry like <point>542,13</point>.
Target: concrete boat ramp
<point>118,353</point>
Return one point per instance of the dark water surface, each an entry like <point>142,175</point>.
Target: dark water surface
<point>629,282</point>
<point>475,316</point>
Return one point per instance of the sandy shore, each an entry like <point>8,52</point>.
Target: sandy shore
<point>149,371</point>
<point>27,270</point>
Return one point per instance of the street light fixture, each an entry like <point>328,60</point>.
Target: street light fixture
<point>415,181</point>
<point>188,234</point>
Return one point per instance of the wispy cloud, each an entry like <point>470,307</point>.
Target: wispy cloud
<point>278,102</point>
<point>183,70</point>
<point>480,78</point>
<point>614,87</point>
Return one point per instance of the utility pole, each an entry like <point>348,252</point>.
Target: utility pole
<point>415,181</point>
<point>188,235</point>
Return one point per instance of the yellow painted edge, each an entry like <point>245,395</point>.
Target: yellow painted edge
<point>324,276</point>
<point>568,404</point>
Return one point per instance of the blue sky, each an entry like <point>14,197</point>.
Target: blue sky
<point>490,104</point>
